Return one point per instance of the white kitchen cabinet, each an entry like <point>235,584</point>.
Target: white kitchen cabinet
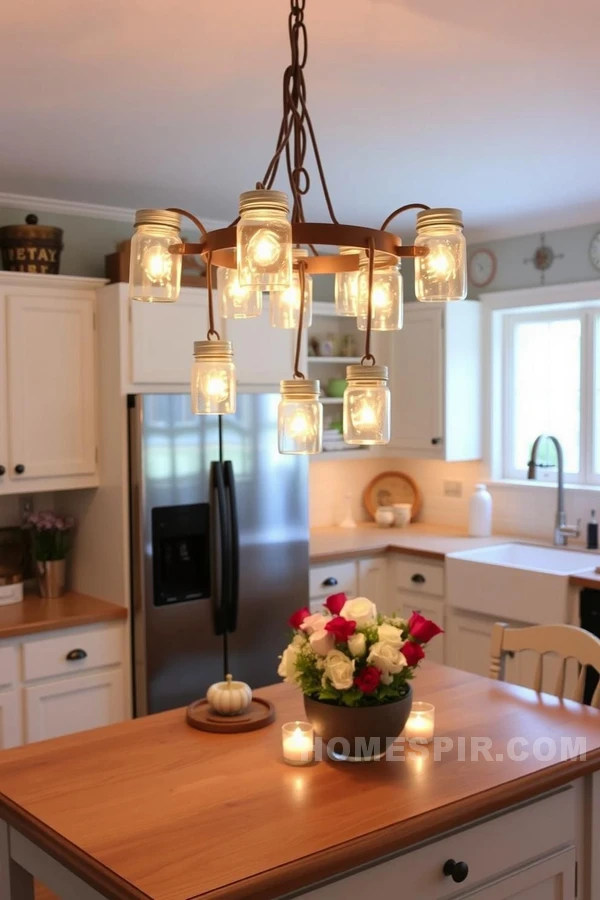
<point>551,879</point>
<point>373,581</point>
<point>10,720</point>
<point>263,355</point>
<point>435,382</point>
<point>74,704</point>
<point>469,638</point>
<point>47,383</point>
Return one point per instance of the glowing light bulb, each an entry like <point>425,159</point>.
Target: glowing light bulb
<point>380,298</point>
<point>158,264</point>
<point>300,417</point>
<point>264,248</point>
<point>441,263</point>
<point>367,405</point>
<point>215,385</point>
<point>364,414</point>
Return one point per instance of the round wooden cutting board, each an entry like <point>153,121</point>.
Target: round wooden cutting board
<point>200,715</point>
<point>389,488</point>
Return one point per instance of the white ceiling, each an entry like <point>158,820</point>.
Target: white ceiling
<point>492,107</point>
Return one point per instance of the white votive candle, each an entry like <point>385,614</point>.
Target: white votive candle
<point>421,723</point>
<point>298,740</point>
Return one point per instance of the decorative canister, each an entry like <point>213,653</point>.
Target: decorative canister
<point>51,577</point>
<point>11,587</point>
<point>31,247</point>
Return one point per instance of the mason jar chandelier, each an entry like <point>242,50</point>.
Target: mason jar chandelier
<point>270,248</point>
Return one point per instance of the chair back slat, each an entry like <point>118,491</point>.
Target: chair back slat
<point>565,641</point>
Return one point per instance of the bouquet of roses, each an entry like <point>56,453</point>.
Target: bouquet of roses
<point>351,655</point>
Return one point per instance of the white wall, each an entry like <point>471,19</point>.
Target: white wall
<point>520,510</point>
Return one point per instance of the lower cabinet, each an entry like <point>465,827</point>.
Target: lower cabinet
<point>373,581</point>
<point>10,719</point>
<point>75,704</point>
<point>61,682</point>
<point>527,852</point>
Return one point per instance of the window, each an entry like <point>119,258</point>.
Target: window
<point>551,385</point>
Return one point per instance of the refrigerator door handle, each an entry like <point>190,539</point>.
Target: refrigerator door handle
<point>220,592</point>
<point>234,546</point>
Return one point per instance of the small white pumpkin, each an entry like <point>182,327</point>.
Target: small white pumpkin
<point>229,698</point>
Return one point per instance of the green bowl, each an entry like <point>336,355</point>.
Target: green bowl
<point>336,387</point>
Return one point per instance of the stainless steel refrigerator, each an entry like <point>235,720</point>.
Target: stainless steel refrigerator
<point>219,540</point>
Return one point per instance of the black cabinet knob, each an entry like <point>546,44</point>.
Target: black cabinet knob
<point>20,469</point>
<point>2,470</point>
<point>73,655</point>
<point>418,578</point>
<point>330,582</point>
<point>457,871</point>
<point>436,440</point>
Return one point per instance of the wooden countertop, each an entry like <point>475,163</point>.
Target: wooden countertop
<point>430,541</point>
<point>589,579</point>
<point>35,614</point>
<point>154,809</point>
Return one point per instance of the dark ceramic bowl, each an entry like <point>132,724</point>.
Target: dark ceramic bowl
<point>358,734</point>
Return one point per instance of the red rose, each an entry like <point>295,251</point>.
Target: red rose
<point>413,653</point>
<point>297,618</point>
<point>368,679</point>
<point>422,629</point>
<point>341,629</point>
<point>335,602</point>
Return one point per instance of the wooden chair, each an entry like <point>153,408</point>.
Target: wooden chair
<point>566,641</point>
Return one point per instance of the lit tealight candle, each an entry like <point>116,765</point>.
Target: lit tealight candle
<point>298,743</point>
<point>421,722</point>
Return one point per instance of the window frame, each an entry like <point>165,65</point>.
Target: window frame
<point>550,302</point>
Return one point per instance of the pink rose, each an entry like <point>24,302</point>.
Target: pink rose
<point>322,642</point>
<point>315,622</point>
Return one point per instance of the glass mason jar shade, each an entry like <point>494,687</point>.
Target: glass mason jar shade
<point>300,418</point>
<point>264,240</point>
<point>442,274</point>
<point>346,286</point>
<point>213,387</point>
<point>155,272</point>
<point>235,301</point>
<point>386,297</point>
<point>367,405</point>
<point>285,305</point>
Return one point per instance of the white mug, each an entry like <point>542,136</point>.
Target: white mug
<point>402,514</point>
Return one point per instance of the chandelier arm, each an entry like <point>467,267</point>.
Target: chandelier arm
<point>212,332</point>
<point>191,216</point>
<point>320,169</point>
<point>302,286</point>
<point>368,356</point>
<point>402,209</point>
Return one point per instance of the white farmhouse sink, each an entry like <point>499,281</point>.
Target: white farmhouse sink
<point>520,582</point>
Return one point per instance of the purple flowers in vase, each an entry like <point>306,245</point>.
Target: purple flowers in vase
<point>50,543</point>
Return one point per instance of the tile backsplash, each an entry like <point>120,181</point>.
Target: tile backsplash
<point>526,510</point>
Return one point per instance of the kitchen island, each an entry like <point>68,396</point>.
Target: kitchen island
<point>154,809</point>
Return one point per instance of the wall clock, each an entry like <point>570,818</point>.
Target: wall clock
<point>595,251</point>
<point>482,267</point>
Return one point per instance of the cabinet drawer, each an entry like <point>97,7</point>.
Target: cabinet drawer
<point>8,666</point>
<point>490,849</point>
<point>47,657</point>
<point>419,576</point>
<point>343,576</point>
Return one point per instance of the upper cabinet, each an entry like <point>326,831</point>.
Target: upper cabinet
<point>157,342</point>
<point>436,382</point>
<point>47,383</point>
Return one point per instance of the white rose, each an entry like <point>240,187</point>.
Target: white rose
<point>390,635</point>
<point>339,670</point>
<point>388,659</point>
<point>287,666</point>
<point>357,644</point>
<point>359,610</point>
<point>322,642</point>
<point>316,622</point>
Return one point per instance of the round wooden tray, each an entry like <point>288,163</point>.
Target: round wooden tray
<point>260,713</point>
<point>388,488</point>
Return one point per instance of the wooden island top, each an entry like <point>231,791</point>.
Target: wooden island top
<point>154,809</point>
<point>35,614</point>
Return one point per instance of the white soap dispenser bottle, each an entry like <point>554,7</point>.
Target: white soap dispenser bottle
<point>480,512</point>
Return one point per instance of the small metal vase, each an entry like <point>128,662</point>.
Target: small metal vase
<point>51,577</point>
